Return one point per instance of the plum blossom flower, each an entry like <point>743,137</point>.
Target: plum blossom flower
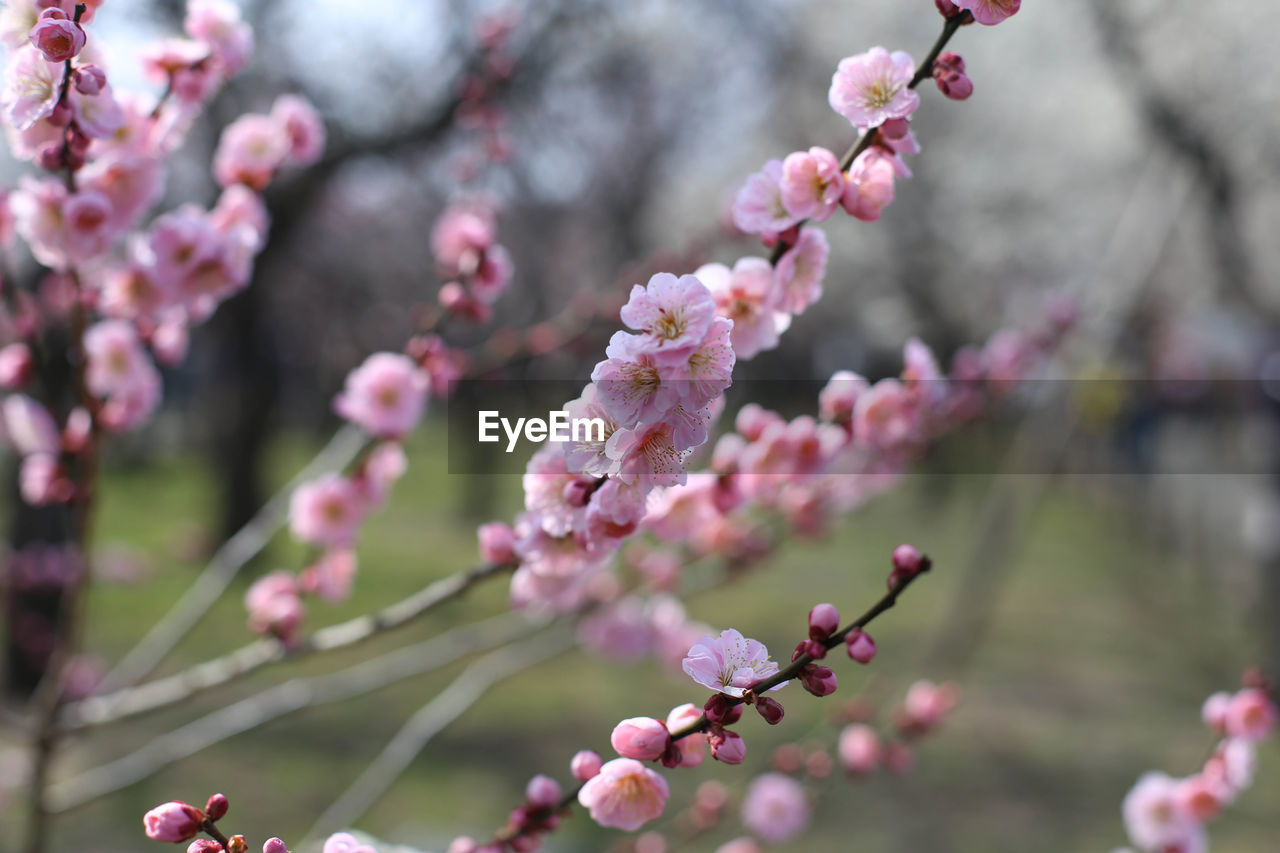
<point>385,395</point>
<point>629,384</point>
<point>274,606</point>
<point>775,808</point>
<point>641,738</point>
<point>56,36</point>
<point>859,749</point>
<point>304,127</point>
<point>870,187</point>
<point>1251,715</point>
<point>730,663</point>
<point>217,23</point>
<point>1153,815</point>
<point>871,88</point>
<point>624,795</point>
<point>672,314</point>
<point>990,12</point>
<point>801,270</point>
<point>250,151</point>
<point>326,511</point>
<point>758,208</point>
<point>174,822</point>
<point>748,296</point>
<point>31,87</point>
<point>812,183</point>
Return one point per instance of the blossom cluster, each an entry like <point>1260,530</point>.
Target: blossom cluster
<point>1167,815</point>
<point>129,288</point>
<point>177,822</point>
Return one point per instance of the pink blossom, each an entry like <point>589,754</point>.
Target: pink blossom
<point>274,606</point>
<point>326,512</point>
<point>130,181</point>
<point>304,127</point>
<point>870,187</point>
<point>331,576</point>
<point>28,425</point>
<point>642,738</point>
<point>343,842</point>
<point>801,270</point>
<point>838,397</point>
<point>748,296</point>
<point>629,384</point>
<point>775,808</point>
<point>241,209</point>
<point>542,791</point>
<point>727,746</point>
<point>1154,817</point>
<point>693,748</point>
<point>812,183</point>
<point>97,116</point>
<point>250,151</point>
<point>461,236</point>
<point>926,704</point>
<point>587,452</point>
<point>58,38</point>
<point>870,88</point>
<point>88,219</point>
<point>673,316</point>
<point>885,416</point>
<point>585,765</point>
<point>174,822</point>
<point>990,12</point>
<point>860,646</point>
<point>703,376</point>
<point>1214,712</point>
<point>385,396</point>
<point>555,498</point>
<point>31,87</point>
<point>1201,796</point>
<point>948,74</point>
<point>859,749</point>
<point>758,207</point>
<point>1251,715</point>
<point>497,543</point>
<point>42,480</point>
<point>730,663</point>
<point>37,207</point>
<point>492,275</point>
<point>624,795</point>
<point>116,360</point>
<point>16,366</point>
<point>274,845</point>
<point>380,470</point>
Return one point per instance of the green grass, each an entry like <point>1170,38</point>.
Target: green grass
<point>1090,671</point>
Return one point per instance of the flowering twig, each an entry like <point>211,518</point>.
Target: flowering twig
<point>217,672</point>
<point>283,699</point>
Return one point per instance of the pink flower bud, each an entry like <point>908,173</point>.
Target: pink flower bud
<point>860,645</point>
<point>50,157</point>
<point>57,38</point>
<point>274,845</point>
<point>824,620</point>
<point>497,544</point>
<point>542,791</point>
<point>1214,712</point>
<point>641,738</point>
<point>174,822</point>
<point>812,648</point>
<point>907,559</point>
<point>463,844</point>
<point>204,845</point>
<point>818,680</point>
<point>585,765</point>
<point>859,749</point>
<point>16,366</point>
<point>720,712</point>
<point>955,86</point>
<point>216,807</point>
<point>770,709</point>
<point>895,129</point>
<point>727,746</point>
<point>1251,715</point>
<point>89,79</point>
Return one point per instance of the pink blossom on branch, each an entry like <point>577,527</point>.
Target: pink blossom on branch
<point>624,795</point>
<point>871,88</point>
<point>730,663</point>
<point>385,396</point>
<point>990,12</point>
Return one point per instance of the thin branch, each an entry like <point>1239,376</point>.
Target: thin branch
<point>433,718</point>
<point>237,551</point>
<point>163,692</point>
<point>281,700</point>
